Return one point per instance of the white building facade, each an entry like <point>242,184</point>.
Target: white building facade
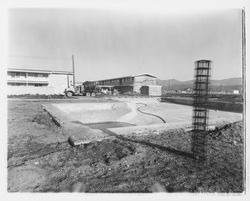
<point>144,80</point>
<point>27,81</point>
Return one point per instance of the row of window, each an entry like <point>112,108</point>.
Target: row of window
<point>122,80</point>
<point>28,84</point>
<point>22,74</point>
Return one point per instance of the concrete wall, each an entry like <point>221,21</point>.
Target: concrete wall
<point>151,90</point>
<point>154,90</point>
<point>19,90</point>
<point>143,81</point>
<point>60,82</point>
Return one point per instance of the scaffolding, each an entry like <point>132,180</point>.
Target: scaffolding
<point>200,112</point>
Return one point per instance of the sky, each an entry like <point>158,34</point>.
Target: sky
<point>109,43</point>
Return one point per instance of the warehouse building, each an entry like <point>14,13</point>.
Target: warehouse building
<point>25,81</point>
<point>143,84</point>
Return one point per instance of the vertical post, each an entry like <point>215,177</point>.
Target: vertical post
<point>73,66</point>
<point>243,51</point>
<point>200,112</point>
<point>243,92</point>
<point>68,81</point>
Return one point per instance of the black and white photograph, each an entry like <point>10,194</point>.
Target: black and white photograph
<point>126,100</point>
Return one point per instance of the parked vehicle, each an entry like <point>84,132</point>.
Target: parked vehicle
<point>85,89</point>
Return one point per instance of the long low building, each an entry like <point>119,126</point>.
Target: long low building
<point>26,81</point>
<point>143,84</point>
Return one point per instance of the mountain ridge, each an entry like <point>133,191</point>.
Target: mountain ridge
<point>223,84</point>
<point>227,82</point>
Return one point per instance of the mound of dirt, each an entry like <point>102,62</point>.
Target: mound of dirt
<point>41,160</point>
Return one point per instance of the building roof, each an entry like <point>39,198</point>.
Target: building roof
<point>144,75</point>
<point>39,71</point>
<point>127,77</point>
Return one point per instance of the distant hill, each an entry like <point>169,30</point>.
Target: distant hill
<point>227,82</point>
<point>218,85</point>
<point>173,82</point>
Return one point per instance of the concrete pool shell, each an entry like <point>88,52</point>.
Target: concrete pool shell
<point>128,115</point>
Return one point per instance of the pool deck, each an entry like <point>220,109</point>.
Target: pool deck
<point>132,115</point>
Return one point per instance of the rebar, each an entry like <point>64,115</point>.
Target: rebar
<point>200,111</point>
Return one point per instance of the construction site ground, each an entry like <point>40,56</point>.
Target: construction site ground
<point>40,159</point>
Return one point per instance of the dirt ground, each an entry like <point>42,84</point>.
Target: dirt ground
<point>41,160</point>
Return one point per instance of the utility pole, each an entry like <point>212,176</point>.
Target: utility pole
<point>243,91</point>
<point>243,53</point>
<point>73,66</point>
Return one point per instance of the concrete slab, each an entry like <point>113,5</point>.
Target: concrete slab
<point>127,112</point>
<point>181,114</point>
<point>85,122</point>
